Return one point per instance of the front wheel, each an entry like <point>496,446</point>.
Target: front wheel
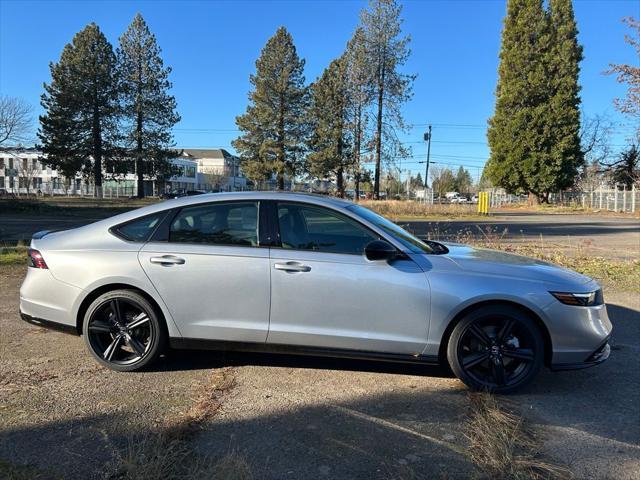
<point>496,348</point>
<point>123,331</point>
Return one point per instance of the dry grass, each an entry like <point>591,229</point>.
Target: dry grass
<point>408,209</point>
<point>503,445</point>
<point>166,454</point>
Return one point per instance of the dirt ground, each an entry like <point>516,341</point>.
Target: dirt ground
<point>63,416</point>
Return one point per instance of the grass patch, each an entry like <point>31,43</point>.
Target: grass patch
<point>503,445</point>
<point>411,209</point>
<point>9,471</point>
<point>13,255</point>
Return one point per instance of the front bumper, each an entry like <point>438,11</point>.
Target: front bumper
<point>596,358</point>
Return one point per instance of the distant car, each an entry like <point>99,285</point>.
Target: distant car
<point>181,193</point>
<point>458,199</point>
<point>474,199</point>
<point>311,274</point>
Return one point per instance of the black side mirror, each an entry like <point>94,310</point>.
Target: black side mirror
<point>380,250</point>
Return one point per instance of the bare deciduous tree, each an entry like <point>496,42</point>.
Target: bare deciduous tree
<point>15,120</point>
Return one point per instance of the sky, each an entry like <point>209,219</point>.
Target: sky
<point>212,47</point>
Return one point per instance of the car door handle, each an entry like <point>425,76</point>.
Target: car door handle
<point>292,267</point>
<point>167,260</point>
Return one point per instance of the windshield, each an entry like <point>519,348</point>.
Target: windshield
<point>413,243</point>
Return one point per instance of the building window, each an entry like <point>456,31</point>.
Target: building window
<point>1,182</point>
<point>11,164</point>
<point>25,164</point>
<point>189,171</point>
<point>34,163</point>
<point>1,163</point>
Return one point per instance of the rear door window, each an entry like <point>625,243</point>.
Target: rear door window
<point>234,224</point>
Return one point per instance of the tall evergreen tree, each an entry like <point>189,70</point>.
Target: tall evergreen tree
<point>79,129</point>
<point>329,141</point>
<point>359,86</point>
<point>387,51</point>
<point>149,110</point>
<point>564,116</point>
<point>534,134</point>
<point>275,124</point>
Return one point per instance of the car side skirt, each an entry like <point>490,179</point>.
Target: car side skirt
<point>200,344</point>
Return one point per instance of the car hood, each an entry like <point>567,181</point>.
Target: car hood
<point>493,262</point>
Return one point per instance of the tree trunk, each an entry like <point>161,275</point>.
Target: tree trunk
<point>376,181</point>
<point>358,134</point>
<point>97,151</point>
<point>280,181</point>
<point>340,182</point>
<point>139,149</point>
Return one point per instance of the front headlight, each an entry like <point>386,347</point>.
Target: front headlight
<point>588,299</point>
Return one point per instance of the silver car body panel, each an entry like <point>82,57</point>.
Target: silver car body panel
<point>343,302</point>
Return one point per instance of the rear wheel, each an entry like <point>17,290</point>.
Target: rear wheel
<point>497,348</point>
<point>123,331</point>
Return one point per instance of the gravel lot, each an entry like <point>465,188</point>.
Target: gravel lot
<point>295,417</point>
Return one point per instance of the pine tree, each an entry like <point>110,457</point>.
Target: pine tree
<point>515,131</point>
<point>79,129</point>
<point>564,135</point>
<point>534,134</point>
<point>359,86</point>
<point>386,52</point>
<point>275,124</point>
<point>149,110</point>
<point>330,142</point>
<point>463,180</point>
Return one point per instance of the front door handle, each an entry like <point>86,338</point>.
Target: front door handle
<point>167,260</point>
<point>292,267</point>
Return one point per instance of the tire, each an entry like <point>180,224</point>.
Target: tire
<point>123,331</point>
<point>497,348</point>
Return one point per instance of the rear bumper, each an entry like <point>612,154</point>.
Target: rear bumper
<point>596,358</point>
<point>41,322</point>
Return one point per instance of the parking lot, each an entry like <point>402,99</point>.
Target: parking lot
<point>295,417</point>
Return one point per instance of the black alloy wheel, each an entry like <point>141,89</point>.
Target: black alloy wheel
<point>123,331</point>
<point>496,349</point>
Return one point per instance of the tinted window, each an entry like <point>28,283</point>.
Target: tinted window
<point>304,227</point>
<point>413,243</point>
<point>141,229</point>
<point>217,224</point>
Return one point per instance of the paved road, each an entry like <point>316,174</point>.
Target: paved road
<point>605,233</point>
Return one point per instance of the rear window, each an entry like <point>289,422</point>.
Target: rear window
<point>140,229</point>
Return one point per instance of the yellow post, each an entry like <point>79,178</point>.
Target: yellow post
<point>483,203</point>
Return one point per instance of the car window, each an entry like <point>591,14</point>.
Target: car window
<point>305,227</point>
<point>410,241</point>
<point>139,230</point>
<point>217,224</point>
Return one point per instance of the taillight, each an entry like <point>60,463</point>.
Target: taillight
<point>36,260</point>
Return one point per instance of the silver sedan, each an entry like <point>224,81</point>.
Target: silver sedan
<point>282,272</point>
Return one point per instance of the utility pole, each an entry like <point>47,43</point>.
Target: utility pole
<point>427,138</point>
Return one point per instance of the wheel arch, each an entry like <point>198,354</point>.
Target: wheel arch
<point>96,292</point>
<point>546,336</point>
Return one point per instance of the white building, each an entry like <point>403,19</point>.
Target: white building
<point>217,167</point>
<point>22,172</point>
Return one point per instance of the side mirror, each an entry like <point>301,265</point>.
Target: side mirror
<point>380,250</point>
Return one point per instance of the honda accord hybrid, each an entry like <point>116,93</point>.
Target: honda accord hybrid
<point>307,274</point>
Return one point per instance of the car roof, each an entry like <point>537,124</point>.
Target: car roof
<point>283,196</point>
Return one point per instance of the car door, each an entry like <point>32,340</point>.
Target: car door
<point>325,293</point>
<point>212,272</point>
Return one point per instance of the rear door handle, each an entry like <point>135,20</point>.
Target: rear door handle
<point>167,260</point>
<point>292,267</point>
